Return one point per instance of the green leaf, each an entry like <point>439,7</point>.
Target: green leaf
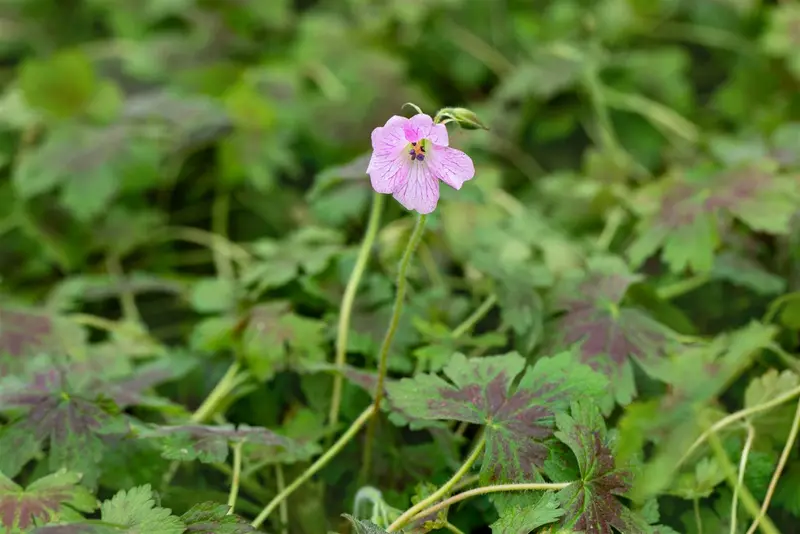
<point>517,421</point>
<point>74,408</point>
<point>210,444</point>
<point>608,334</point>
<point>516,519</point>
<point>72,424</point>
<point>683,213</point>
<point>700,483</point>
<point>90,164</point>
<point>213,518</point>
<point>308,251</point>
<point>782,37</point>
<point>136,509</point>
<point>276,339</point>
<point>361,526</point>
<point>214,295</point>
<point>591,504</point>
<point>772,425</point>
<point>28,332</point>
<point>746,272</point>
<point>53,498</point>
<point>62,85</point>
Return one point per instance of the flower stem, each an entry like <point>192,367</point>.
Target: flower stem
<point>346,309</point>
<point>536,486</point>
<point>321,462</point>
<point>383,355</point>
<point>409,514</point>
<point>237,475</point>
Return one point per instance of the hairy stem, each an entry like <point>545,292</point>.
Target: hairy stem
<point>736,416</point>
<point>409,514</point>
<point>773,483</point>
<point>383,355</point>
<point>747,499</point>
<point>751,435</point>
<point>321,462</point>
<point>237,475</point>
<point>346,309</point>
<point>536,486</point>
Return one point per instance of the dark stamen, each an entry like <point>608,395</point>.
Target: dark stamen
<point>420,157</point>
<point>422,148</point>
<point>413,143</point>
<point>412,151</point>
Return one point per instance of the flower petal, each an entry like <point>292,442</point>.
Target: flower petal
<point>451,166</point>
<point>390,135</point>
<point>418,127</point>
<point>420,191</point>
<point>438,135</point>
<point>388,170</point>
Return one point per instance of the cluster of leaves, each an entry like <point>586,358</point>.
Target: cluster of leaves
<point>182,197</point>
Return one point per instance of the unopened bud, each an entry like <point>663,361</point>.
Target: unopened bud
<point>464,117</point>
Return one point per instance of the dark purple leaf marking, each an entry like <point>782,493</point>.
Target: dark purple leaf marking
<point>479,391</point>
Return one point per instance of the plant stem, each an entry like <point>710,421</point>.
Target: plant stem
<point>283,510</point>
<point>409,514</point>
<point>383,355</point>
<point>677,289</point>
<point>535,486</point>
<point>210,405</point>
<point>321,462</point>
<point>346,309</point>
<point>749,502</point>
<point>476,316</point>
<point>751,435</point>
<point>127,299</point>
<point>732,418</point>
<point>697,519</point>
<point>787,449</point>
<point>207,409</point>
<point>237,475</point>
<point>452,528</point>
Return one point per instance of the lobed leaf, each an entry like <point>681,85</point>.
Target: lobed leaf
<point>685,220</point>
<point>591,504</point>
<point>210,444</point>
<point>517,421</point>
<point>213,518</point>
<point>52,498</point>
<point>608,334</point>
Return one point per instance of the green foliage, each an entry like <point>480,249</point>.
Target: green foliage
<point>516,420</point>
<point>183,200</point>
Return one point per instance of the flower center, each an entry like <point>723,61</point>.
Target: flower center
<point>417,150</point>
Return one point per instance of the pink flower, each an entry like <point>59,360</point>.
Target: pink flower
<point>410,156</point>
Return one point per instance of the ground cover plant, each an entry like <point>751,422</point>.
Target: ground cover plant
<point>313,266</point>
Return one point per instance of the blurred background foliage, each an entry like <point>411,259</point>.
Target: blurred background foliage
<point>180,165</point>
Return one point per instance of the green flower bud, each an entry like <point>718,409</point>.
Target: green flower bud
<point>464,117</point>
